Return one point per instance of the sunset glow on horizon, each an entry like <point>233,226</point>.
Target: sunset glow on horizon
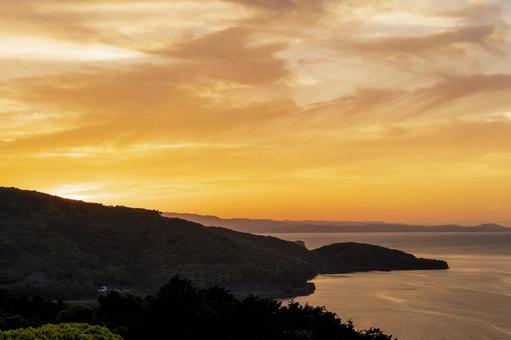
<point>368,110</point>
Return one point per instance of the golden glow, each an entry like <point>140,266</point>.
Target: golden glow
<point>20,47</point>
<point>350,110</point>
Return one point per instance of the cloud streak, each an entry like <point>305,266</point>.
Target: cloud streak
<point>239,107</point>
<point>447,42</point>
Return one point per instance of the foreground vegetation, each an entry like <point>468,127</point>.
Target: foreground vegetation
<point>64,331</point>
<point>178,311</point>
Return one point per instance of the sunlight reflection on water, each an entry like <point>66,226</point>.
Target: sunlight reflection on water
<point>471,300</point>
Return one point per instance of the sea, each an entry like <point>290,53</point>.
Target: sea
<point>470,300</point>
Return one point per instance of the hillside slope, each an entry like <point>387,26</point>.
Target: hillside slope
<point>69,249</point>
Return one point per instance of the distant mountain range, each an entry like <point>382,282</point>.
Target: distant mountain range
<point>264,226</point>
<point>69,249</point>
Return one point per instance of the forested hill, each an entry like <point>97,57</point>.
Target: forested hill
<point>68,249</point>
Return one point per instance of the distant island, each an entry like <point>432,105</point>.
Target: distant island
<point>263,226</point>
<point>75,250</point>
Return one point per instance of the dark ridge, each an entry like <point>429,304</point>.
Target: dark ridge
<point>357,257</point>
<point>310,226</point>
<point>69,249</point>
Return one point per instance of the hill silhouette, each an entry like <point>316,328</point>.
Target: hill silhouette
<point>68,249</point>
<point>354,257</point>
<point>313,226</point>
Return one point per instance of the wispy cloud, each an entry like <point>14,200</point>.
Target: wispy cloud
<point>234,105</point>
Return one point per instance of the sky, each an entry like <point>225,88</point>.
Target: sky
<point>365,110</point>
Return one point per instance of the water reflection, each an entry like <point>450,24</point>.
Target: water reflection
<point>472,300</point>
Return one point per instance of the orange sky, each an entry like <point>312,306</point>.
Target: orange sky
<point>325,109</point>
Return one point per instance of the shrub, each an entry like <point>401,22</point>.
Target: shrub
<point>63,331</point>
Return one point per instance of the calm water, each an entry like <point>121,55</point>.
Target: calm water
<point>472,300</point>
